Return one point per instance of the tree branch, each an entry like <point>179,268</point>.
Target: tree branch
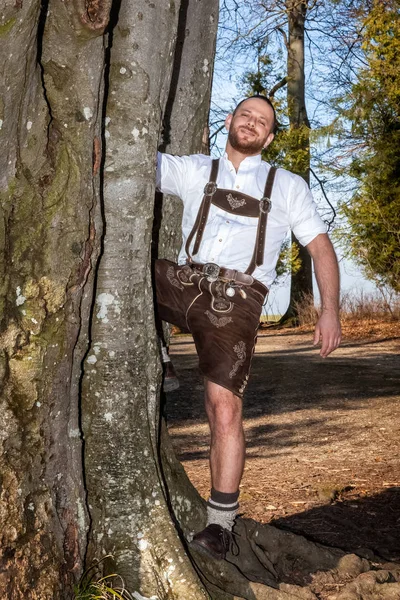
<point>216,132</point>
<point>277,87</point>
<point>329,223</point>
<point>285,37</point>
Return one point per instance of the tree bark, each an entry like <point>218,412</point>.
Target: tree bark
<point>301,282</point>
<point>49,245</point>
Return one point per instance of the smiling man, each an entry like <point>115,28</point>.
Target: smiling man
<point>237,212</point>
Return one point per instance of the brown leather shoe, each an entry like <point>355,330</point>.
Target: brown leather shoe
<point>214,541</point>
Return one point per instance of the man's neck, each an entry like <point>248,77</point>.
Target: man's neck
<point>235,156</point>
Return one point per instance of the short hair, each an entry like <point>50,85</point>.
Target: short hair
<point>268,101</point>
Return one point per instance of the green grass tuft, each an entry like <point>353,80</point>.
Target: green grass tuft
<point>103,588</point>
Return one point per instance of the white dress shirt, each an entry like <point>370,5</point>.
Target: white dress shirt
<point>229,239</point>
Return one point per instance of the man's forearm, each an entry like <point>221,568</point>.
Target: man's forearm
<point>326,272</point>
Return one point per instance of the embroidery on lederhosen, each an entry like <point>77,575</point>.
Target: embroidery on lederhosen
<point>235,202</point>
<point>172,279</point>
<point>184,275</point>
<point>218,322</point>
<point>219,303</point>
<point>240,351</point>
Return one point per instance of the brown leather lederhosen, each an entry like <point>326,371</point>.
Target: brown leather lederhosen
<point>221,307</point>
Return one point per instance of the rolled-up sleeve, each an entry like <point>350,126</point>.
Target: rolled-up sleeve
<point>172,174</point>
<point>305,221</point>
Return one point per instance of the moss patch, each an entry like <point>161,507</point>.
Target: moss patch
<point>7,26</point>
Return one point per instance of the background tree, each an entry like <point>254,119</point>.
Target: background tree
<point>372,230</point>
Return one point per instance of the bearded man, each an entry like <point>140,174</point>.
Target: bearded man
<point>237,212</point>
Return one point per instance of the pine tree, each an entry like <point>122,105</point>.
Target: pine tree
<point>373,214</point>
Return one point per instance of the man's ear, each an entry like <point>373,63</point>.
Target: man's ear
<point>228,121</point>
<point>268,140</point>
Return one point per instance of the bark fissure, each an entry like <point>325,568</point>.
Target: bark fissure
<point>176,69</point>
<point>40,32</point>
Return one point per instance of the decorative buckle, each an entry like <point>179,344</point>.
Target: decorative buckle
<point>211,271</point>
<point>265,205</point>
<point>210,188</point>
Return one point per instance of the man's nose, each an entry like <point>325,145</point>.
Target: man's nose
<point>251,122</point>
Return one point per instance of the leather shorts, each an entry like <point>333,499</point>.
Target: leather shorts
<point>223,324</point>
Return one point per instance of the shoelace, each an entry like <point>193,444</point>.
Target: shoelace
<point>229,541</point>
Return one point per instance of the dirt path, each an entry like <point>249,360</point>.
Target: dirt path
<point>322,438</point>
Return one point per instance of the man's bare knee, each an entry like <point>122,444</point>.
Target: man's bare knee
<point>224,409</point>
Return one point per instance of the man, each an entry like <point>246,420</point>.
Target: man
<point>237,212</point>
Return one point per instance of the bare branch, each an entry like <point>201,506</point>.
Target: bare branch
<point>277,87</point>
<point>321,183</point>
<point>216,132</point>
<point>285,38</point>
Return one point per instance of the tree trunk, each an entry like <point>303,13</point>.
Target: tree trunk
<point>185,131</point>
<point>185,121</point>
<point>129,504</point>
<point>49,244</point>
<point>301,282</point>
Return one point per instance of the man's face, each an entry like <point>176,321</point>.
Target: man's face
<point>250,128</point>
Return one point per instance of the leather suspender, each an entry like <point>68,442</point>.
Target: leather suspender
<point>265,206</point>
<point>202,215</point>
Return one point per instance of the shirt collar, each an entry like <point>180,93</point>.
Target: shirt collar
<point>248,163</point>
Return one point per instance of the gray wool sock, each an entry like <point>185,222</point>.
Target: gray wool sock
<point>222,508</point>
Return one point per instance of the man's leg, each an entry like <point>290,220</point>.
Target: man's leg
<point>227,454</point>
<point>224,412</point>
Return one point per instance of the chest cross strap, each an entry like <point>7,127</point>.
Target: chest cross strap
<point>264,207</point>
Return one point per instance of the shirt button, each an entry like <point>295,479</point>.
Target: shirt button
<point>226,221</point>
<point>238,187</point>
<point>220,239</point>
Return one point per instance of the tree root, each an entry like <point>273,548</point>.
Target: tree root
<point>278,565</point>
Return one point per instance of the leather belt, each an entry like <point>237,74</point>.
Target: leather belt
<point>213,272</point>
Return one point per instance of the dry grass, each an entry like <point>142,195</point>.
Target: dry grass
<point>355,307</point>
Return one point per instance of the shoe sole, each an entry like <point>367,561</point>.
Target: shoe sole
<point>204,550</point>
<point>170,386</point>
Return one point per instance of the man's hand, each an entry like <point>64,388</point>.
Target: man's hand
<point>328,332</point>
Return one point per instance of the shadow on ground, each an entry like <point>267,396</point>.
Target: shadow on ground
<point>309,423</point>
<point>365,523</point>
<point>291,379</point>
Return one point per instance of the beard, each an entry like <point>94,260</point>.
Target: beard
<point>249,146</point>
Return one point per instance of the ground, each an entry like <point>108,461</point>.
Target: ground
<point>322,435</point>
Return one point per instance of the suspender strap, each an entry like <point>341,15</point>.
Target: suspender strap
<point>202,215</point>
<point>265,206</point>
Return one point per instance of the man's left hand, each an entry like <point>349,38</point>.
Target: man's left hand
<point>328,332</point>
